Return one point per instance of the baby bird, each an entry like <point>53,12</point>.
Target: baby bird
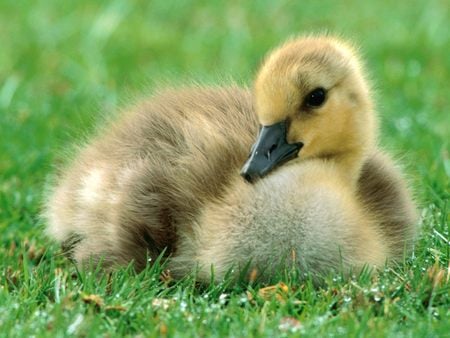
<point>173,175</point>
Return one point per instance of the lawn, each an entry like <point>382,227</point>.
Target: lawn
<point>65,65</point>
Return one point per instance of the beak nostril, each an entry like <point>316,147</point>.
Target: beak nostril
<point>271,150</point>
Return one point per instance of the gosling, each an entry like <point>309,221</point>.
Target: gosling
<point>173,176</point>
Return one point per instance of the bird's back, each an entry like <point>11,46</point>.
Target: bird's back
<point>151,172</point>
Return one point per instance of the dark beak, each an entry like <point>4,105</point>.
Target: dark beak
<point>269,151</point>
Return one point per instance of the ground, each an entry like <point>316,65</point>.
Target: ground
<point>65,65</point>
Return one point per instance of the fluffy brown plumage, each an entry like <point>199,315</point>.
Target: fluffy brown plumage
<point>166,176</point>
<point>131,189</point>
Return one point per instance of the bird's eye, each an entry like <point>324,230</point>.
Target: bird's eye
<point>316,98</point>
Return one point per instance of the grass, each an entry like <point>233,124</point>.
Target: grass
<point>64,64</point>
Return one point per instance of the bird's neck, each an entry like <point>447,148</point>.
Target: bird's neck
<point>350,164</point>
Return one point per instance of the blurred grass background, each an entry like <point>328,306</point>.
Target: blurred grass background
<point>64,64</point>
